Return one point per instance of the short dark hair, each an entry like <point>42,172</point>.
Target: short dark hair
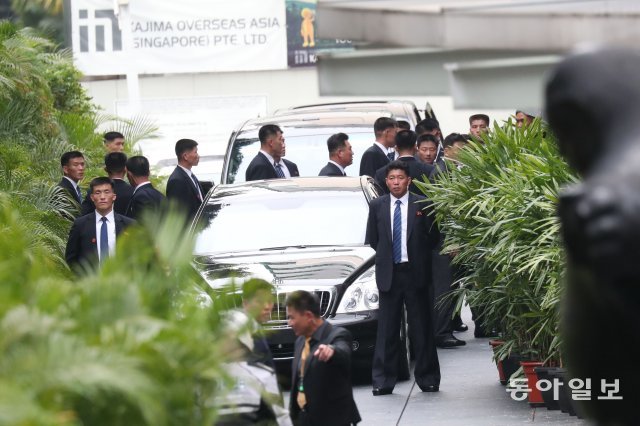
<point>184,145</point>
<point>337,141</point>
<point>453,138</point>
<point>115,162</point>
<point>138,165</point>
<point>404,125</point>
<point>111,136</point>
<point>303,301</point>
<point>67,156</point>
<point>483,117</point>
<point>397,165</point>
<point>251,287</point>
<point>101,180</point>
<point>405,139</point>
<point>427,125</point>
<point>267,131</point>
<point>427,137</point>
<point>383,123</point>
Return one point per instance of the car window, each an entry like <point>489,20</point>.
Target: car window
<point>308,152</point>
<point>244,223</point>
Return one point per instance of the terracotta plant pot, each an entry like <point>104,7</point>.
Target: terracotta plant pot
<point>550,400</point>
<point>535,397</point>
<point>494,344</point>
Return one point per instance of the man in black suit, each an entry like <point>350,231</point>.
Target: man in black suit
<point>321,392</point>
<point>403,234</point>
<point>72,163</point>
<point>145,196</point>
<point>340,155</point>
<point>93,236</point>
<point>183,187</point>
<point>380,153</point>
<point>269,164</point>
<point>115,166</point>
<point>406,149</point>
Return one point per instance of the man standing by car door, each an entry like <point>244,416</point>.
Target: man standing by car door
<point>269,164</point>
<point>321,392</point>
<point>183,187</point>
<point>403,234</point>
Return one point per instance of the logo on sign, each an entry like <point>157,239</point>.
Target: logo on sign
<point>99,30</point>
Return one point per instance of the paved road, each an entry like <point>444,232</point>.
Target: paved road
<point>470,395</point>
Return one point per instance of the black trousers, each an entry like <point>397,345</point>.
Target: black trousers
<point>442,280</point>
<point>419,310</point>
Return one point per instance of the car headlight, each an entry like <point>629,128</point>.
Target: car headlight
<point>361,295</point>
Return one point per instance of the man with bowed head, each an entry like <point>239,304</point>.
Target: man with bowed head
<point>321,392</point>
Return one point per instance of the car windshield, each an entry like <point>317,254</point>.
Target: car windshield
<point>282,220</point>
<point>309,152</point>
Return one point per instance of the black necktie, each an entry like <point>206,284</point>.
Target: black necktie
<point>104,240</point>
<point>195,180</point>
<point>391,156</point>
<point>79,194</point>
<point>279,171</point>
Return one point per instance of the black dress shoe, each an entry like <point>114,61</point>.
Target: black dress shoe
<point>461,328</point>
<point>450,342</point>
<point>430,388</point>
<point>382,391</point>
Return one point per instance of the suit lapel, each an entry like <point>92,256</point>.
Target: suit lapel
<point>189,180</point>
<point>266,162</point>
<point>90,232</point>
<point>386,216</point>
<point>412,210</point>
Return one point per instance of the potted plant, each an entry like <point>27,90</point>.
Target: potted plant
<point>498,211</point>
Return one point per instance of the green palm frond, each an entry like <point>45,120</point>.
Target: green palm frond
<point>499,215</point>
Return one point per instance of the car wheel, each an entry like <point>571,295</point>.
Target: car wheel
<point>404,353</point>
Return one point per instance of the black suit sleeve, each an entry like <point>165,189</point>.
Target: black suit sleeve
<point>87,204</point>
<point>341,343</point>
<point>182,192</point>
<point>73,250</point>
<point>260,171</point>
<point>371,237</point>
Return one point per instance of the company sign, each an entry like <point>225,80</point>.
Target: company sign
<point>178,37</point>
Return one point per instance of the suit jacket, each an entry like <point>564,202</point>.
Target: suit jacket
<point>82,244</point>
<point>372,159</point>
<point>330,170</point>
<point>327,385</point>
<point>422,236</point>
<point>64,183</point>
<point>261,168</point>
<point>182,189</point>
<point>123,195</point>
<point>146,197</point>
<point>417,170</point>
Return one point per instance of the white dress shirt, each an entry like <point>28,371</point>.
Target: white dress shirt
<point>111,232</point>
<point>404,208</point>
<point>190,174</point>
<point>284,168</point>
